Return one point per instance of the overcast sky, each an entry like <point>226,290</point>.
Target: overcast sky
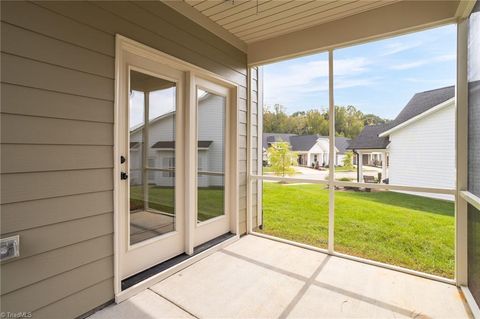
<point>378,77</point>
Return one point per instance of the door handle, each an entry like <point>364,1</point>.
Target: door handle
<point>123,175</point>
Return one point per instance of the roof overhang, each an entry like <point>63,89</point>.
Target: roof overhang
<point>387,21</point>
<point>336,24</point>
<point>420,116</point>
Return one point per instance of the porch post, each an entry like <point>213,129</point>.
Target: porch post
<point>360,166</point>
<point>384,165</point>
<point>146,111</point>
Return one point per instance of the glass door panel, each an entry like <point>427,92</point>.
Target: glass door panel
<point>210,155</point>
<point>152,106</point>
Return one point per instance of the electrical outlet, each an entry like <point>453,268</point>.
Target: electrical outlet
<point>9,247</point>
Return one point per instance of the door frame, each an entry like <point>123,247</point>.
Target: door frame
<point>123,45</point>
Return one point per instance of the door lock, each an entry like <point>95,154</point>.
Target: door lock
<point>123,175</point>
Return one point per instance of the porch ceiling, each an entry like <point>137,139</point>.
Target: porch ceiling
<point>270,30</point>
<point>252,21</point>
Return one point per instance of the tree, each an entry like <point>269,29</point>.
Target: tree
<point>348,160</point>
<point>349,121</point>
<point>282,158</point>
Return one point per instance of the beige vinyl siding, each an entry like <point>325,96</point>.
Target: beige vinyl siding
<point>57,74</point>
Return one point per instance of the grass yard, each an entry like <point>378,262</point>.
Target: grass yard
<point>400,229</point>
<point>210,200</point>
<point>344,169</point>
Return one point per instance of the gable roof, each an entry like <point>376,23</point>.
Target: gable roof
<point>369,139</point>
<point>268,138</point>
<point>418,104</point>
<point>342,143</point>
<point>422,102</point>
<point>302,142</point>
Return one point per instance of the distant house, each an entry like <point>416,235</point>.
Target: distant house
<point>418,147</point>
<point>161,150</point>
<point>311,149</point>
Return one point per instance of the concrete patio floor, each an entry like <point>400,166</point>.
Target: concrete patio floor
<point>261,278</point>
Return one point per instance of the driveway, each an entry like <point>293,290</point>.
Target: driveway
<point>310,173</point>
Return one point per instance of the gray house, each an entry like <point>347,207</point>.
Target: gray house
<point>91,219</point>
<point>311,149</point>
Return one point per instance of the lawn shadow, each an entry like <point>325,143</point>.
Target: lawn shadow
<point>409,201</point>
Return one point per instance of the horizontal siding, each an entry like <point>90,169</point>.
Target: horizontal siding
<point>32,17</point>
<point>57,140</point>
<point>18,129</point>
<point>30,186</point>
<point>18,41</point>
<point>32,73</point>
<point>423,153</point>
<point>74,305</point>
<point>48,291</point>
<point>39,240</point>
<point>23,100</point>
<point>42,212</point>
<point>17,158</point>
<point>54,262</point>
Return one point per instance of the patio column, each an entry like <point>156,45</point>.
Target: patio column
<point>360,167</point>
<point>384,165</point>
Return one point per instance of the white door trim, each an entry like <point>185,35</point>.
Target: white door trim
<point>123,45</point>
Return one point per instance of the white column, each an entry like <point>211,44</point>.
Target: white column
<point>360,167</point>
<point>384,165</point>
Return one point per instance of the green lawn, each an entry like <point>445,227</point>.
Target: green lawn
<point>405,230</point>
<point>344,169</point>
<point>210,200</point>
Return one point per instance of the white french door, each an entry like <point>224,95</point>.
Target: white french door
<point>213,157</point>
<point>150,146</point>
<point>175,170</point>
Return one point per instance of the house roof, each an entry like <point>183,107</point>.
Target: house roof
<point>418,104</point>
<point>302,142</point>
<point>268,138</point>
<point>342,143</point>
<point>422,102</point>
<point>171,144</point>
<point>369,139</point>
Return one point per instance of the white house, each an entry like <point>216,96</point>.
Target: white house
<point>161,150</point>
<point>311,149</point>
<point>419,145</point>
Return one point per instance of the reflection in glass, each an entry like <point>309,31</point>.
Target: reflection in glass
<point>152,168</point>
<point>411,231</point>
<point>211,155</point>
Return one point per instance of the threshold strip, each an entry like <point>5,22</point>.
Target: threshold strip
<point>141,276</point>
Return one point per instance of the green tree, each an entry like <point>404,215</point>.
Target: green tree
<point>349,121</point>
<point>282,159</point>
<point>348,160</point>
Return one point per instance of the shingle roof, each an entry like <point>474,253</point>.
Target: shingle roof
<point>342,143</point>
<point>268,138</point>
<point>422,102</point>
<point>302,142</point>
<point>368,138</point>
<point>419,103</point>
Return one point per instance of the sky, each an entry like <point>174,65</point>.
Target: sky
<point>378,77</point>
<point>161,102</point>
